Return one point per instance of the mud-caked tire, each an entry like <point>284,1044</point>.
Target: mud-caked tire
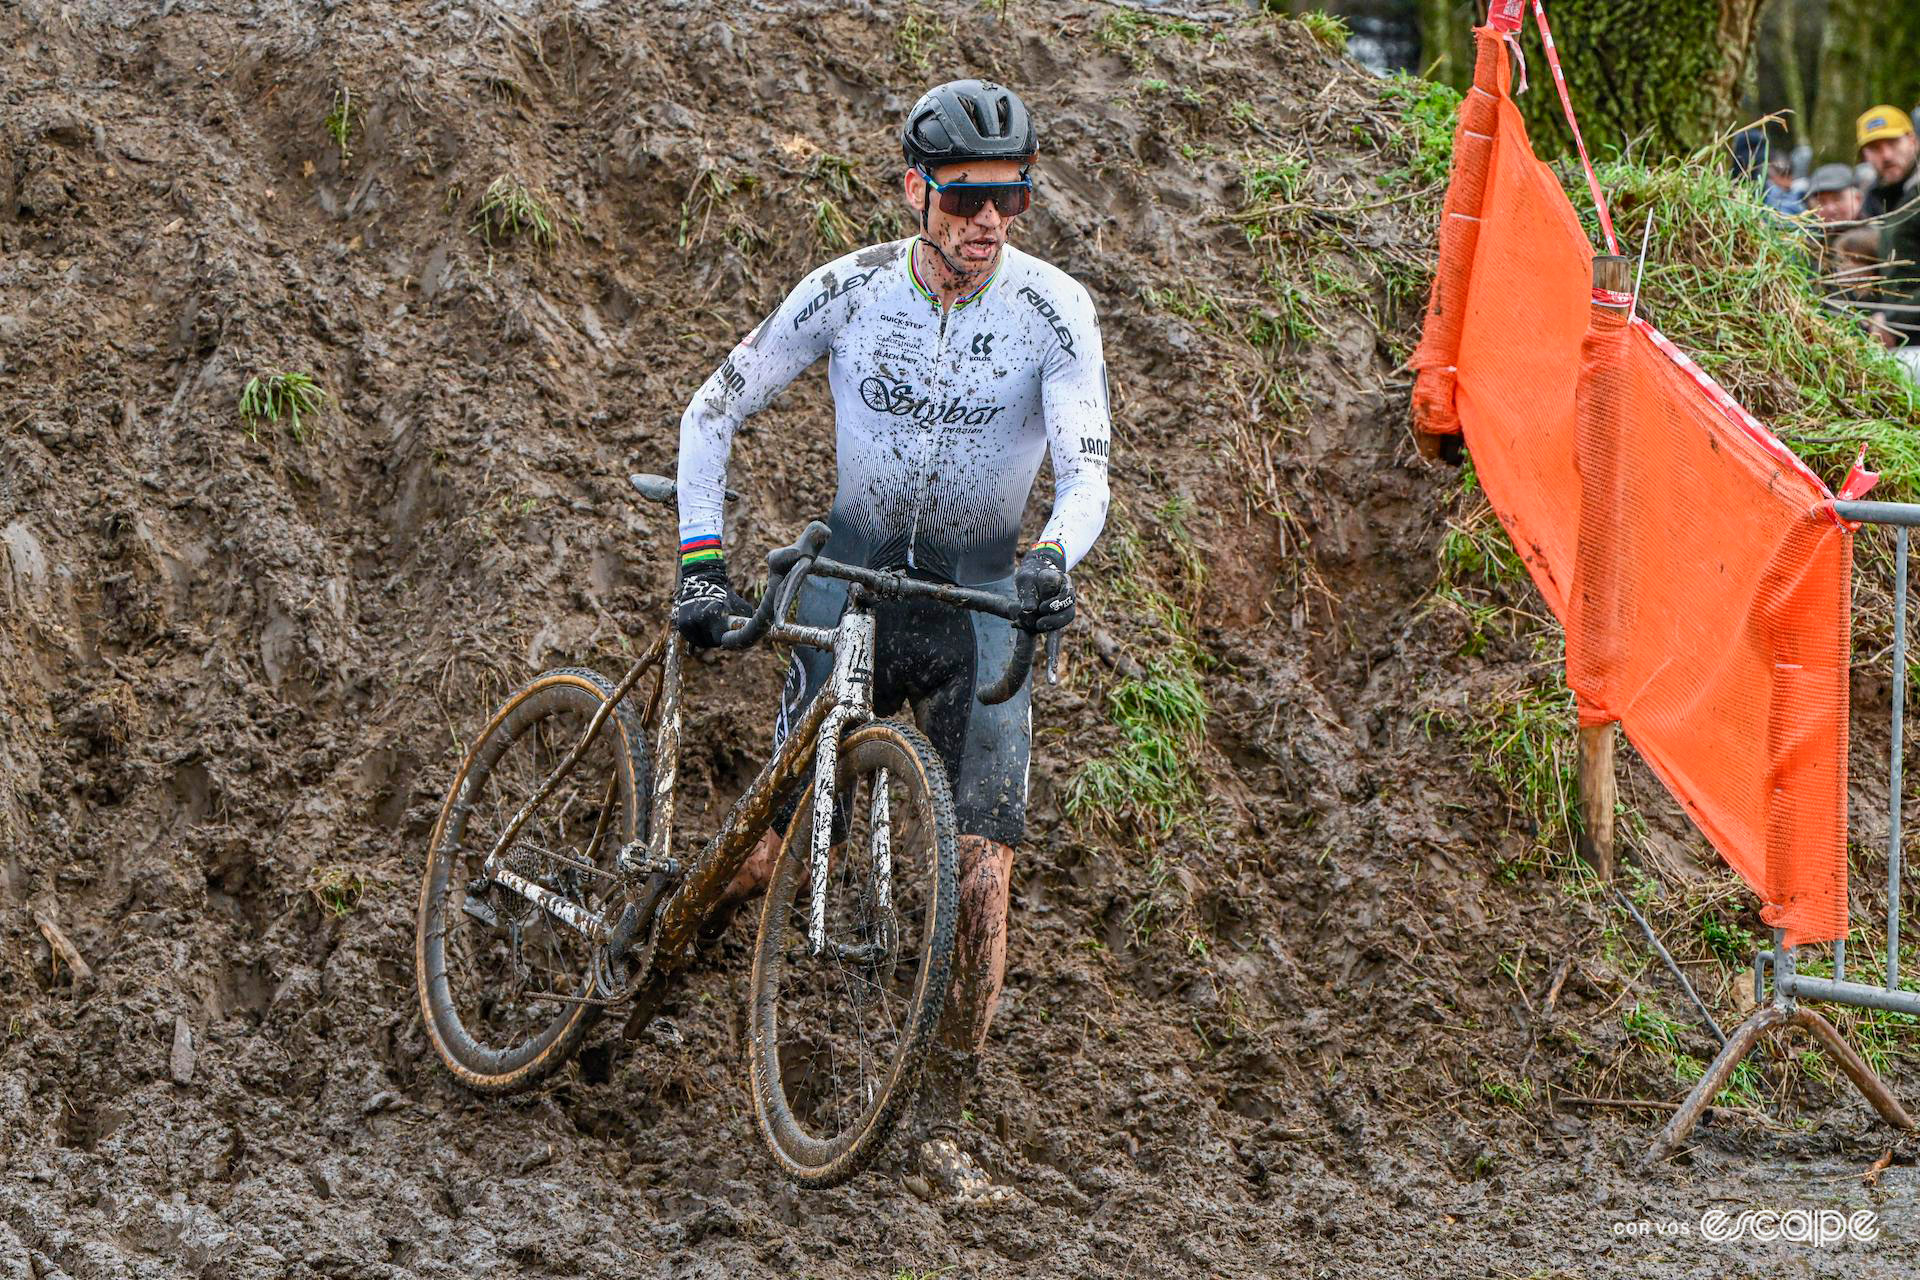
<point>485,1050</point>
<point>878,990</point>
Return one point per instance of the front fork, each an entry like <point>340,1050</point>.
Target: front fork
<point>852,693</point>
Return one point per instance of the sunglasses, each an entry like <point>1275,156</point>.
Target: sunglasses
<point>965,199</point>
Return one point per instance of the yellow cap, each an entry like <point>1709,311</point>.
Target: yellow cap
<point>1882,122</point>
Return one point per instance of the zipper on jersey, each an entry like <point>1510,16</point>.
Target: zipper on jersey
<point>933,428</point>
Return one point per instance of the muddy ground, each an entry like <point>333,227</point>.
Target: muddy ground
<point>1328,1023</point>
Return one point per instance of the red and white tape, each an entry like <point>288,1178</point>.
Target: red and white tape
<point>1506,17</point>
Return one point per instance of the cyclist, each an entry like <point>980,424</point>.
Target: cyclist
<point>955,361</point>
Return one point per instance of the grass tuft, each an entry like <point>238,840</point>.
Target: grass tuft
<point>1428,111</point>
<point>1731,943</point>
<point>1665,1039</point>
<point>1271,176</point>
<point>512,210</point>
<point>1516,1092</point>
<point>712,190</point>
<point>279,396</point>
<point>1148,782</point>
<point>839,174</point>
<point>337,889</point>
<point>1524,741</point>
<point>1330,31</point>
<point>832,225</point>
<point>913,40</point>
<point>1475,550</point>
<point>1127,31</point>
<point>339,122</point>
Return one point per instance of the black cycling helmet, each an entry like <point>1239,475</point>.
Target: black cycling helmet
<point>968,120</point>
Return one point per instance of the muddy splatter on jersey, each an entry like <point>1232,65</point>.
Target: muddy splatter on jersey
<point>942,417</point>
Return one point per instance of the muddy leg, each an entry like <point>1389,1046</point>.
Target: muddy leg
<point>979,965</point>
<point>748,882</point>
<point>980,947</point>
<point>942,1169</point>
<point>754,874</point>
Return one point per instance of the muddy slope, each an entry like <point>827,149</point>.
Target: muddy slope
<point>1288,1035</point>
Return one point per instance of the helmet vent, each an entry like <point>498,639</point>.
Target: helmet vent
<point>968,120</point>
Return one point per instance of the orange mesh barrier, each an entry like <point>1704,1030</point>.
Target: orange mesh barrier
<point>1696,564</point>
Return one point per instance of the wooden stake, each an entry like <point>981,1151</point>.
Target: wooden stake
<point>1614,274</point>
<point>1597,798</point>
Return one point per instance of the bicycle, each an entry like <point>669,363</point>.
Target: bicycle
<point>531,925</point>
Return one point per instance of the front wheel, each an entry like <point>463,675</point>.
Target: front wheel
<point>839,1038</point>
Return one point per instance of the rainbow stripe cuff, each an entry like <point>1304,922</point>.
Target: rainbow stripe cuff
<point>701,550</point>
<point>1052,544</point>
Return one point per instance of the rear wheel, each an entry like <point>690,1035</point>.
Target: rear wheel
<point>839,1038</point>
<point>500,978</point>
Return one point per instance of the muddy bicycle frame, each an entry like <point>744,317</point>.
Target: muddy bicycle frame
<point>653,899</point>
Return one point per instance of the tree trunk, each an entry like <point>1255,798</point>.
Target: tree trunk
<point>1869,56</point>
<point>1782,33</point>
<point>1446,40</point>
<point>1664,75</point>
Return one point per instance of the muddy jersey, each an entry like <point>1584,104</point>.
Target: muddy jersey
<point>942,416</point>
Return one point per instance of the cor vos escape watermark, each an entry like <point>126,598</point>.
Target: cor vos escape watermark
<point>1817,1227</point>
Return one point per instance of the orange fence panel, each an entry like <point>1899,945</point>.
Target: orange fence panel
<point>1697,566</point>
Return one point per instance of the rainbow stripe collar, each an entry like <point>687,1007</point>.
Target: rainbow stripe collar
<point>933,299</point>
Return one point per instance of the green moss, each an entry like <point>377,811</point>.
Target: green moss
<point>1428,111</point>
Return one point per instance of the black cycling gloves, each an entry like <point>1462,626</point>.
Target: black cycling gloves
<point>1044,590</point>
<point>704,602</point>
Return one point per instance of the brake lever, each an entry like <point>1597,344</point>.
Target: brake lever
<point>1053,657</point>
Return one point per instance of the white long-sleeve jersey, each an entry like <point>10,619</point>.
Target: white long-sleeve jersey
<point>942,416</point>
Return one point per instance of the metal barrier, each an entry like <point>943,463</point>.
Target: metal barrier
<point>1789,985</point>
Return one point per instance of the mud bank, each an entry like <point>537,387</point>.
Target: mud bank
<point>1320,1023</point>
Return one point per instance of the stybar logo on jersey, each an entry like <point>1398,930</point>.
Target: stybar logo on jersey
<point>884,395</point>
<point>1051,316</point>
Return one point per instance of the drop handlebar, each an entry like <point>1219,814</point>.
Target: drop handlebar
<point>788,567</point>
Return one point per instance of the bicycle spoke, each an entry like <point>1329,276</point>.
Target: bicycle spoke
<point>848,1004</point>
<point>504,961</point>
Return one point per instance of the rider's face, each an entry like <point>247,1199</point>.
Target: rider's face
<point>970,242</point>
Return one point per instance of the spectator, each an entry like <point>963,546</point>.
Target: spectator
<point>1779,195</point>
<point>1887,142</point>
<point>1853,270</point>
<point>1749,147</point>
<point>1853,267</point>
<point>1833,195</point>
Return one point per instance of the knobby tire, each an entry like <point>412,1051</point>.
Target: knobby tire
<point>827,1160</point>
<point>514,1067</point>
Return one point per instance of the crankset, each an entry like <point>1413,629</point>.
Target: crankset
<point>624,964</point>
